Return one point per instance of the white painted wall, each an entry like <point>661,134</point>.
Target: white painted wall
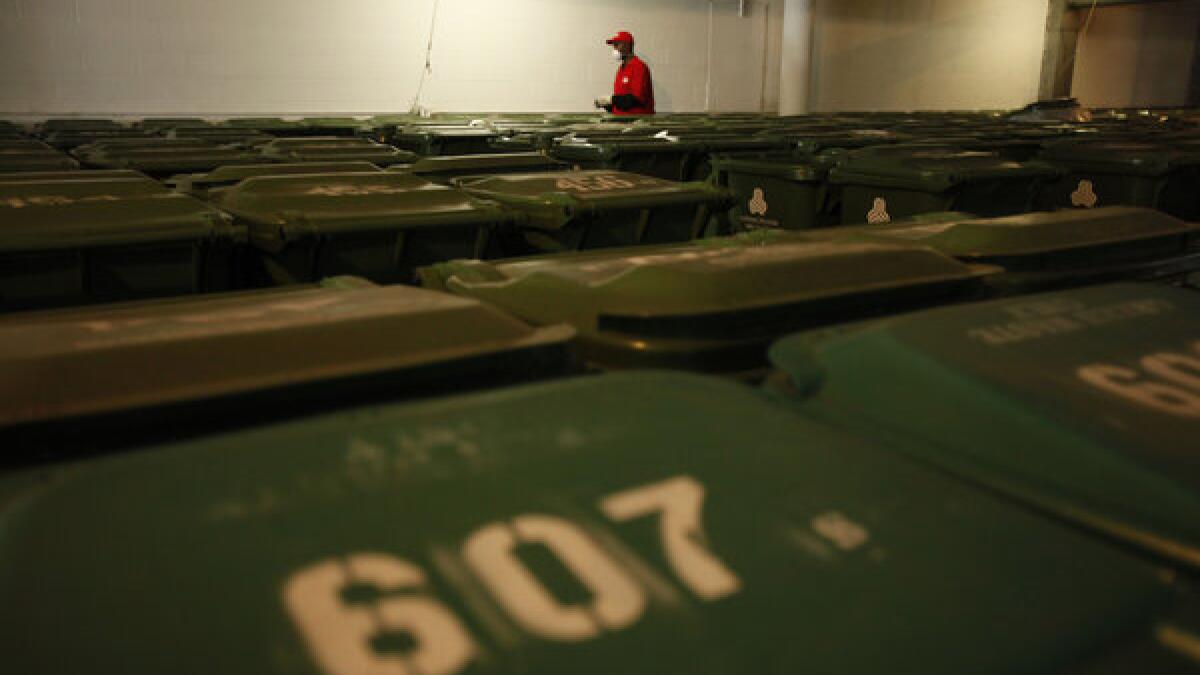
<point>162,57</point>
<point>1138,55</point>
<point>927,54</point>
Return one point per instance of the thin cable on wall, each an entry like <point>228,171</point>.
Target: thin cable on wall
<point>427,69</point>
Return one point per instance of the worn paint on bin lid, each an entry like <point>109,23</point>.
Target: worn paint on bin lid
<point>548,529</point>
<point>61,365</point>
<point>593,186</point>
<point>86,214</point>
<point>1083,403</point>
<point>326,203</point>
<point>705,298</point>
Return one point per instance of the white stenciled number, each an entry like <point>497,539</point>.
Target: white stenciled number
<point>679,501</point>
<point>1179,369</point>
<point>617,601</point>
<point>1129,384</point>
<point>339,633</point>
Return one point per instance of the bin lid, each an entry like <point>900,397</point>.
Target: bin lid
<point>39,162</point>
<point>285,144</point>
<point>172,160</point>
<point>1137,158</point>
<point>446,132</point>
<point>611,148</point>
<point>793,168</point>
<point>280,208</point>
<point>232,175</point>
<point>929,168</point>
<point>660,300</point>
<point>383,155</point>
<point>550,200</point>
<point>24,145</point>
<point>1084,403</point>
<point>549,529</point>
<point>86,214</point>
<point>451,166</point>
<point>78,124</point>
<point>82,175</point>
<point>816,142</point>
<point>265,123</point>
<point>61,366</point>
<point>1054,244</point>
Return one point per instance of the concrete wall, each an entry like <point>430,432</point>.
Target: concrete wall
<point>363,56</point>
<point>1138,55</point>
<point>927,54</point>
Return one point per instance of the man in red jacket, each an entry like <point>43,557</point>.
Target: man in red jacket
<point>633,91</point>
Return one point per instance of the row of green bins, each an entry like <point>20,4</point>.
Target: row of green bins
<point>10,131</point>
<point>334,149</point>
<point>1083,404</point>
<point>442,140</point>
<point>1127,173</point>
<point>335,126</point>
<point>221,135</point>
<point>542,529</point>
<point>275,126</point>
<point>57,124</point>
<point>448,168</point>
<point>574,210</point>
<point>26,154</point>
<point>71,239</point>
<point>163,124</point>
<point>788,192</point>
<point>378,225</point>
<point>80,381</point>
<point>887,182</point>
<point>1045,250</point>
<point>209,184</point>
<point>710,305</point>
<point>161,157</point>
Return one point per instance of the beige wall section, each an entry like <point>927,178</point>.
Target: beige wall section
<point>362,56</point>
<point>1138,55</point>
<point>927,54</point>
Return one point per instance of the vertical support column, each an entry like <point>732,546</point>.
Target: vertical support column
<point>1058,57</point>
<point>795,73</point>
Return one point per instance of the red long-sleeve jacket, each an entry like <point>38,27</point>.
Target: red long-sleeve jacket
<point>633,78</point>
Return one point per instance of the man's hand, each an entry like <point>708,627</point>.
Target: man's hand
<point>604,103</point>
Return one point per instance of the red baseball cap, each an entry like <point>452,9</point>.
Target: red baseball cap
<point>623,36</point>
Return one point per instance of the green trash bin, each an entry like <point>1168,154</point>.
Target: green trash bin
<point>378,225</point>
<point>884,183</point>
<point>54,125</point>
<point>712,305</point>
<point>1124,173</point>
<point>430,141</point>
<point>554,528</point>
<point>164,160</point>
<point>31,158</point>
<point>1045,250</point>
<point>648,156</point>
<point>1083,404</point>
<point>222,135</point>
<point>274,126</point>
<point>105,240</point>
<point>781,192</point>
<point>86,380</point>
<point>448,168</point>
<point>71,176</point>
<point>817,142</point>
<point>334,149</point>
<point>573,210</point>
<point>207,185</point>
<point>67,139</point>
<point>164,124</point>
<point>335,126</point>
